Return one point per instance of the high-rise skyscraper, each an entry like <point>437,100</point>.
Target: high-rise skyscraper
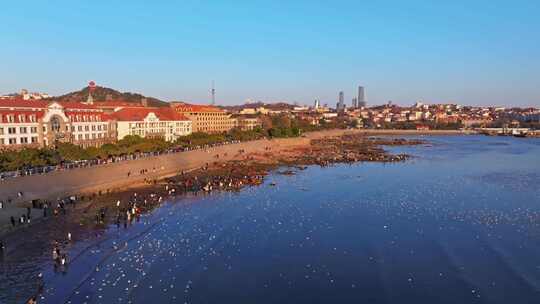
<point>341,102</point>
<point>354,103</point>
<point>361,97</point>
<point>317,104</point>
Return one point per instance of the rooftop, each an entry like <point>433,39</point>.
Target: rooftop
<point>139,114</point>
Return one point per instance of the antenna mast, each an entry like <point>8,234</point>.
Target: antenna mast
<point>213,94</point>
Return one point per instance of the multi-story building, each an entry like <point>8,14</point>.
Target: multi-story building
<point>341,102</point>
<point>41,123</point>
<point>247,122</point>
<point>19,127</point>
<point>162,123</point>
<point>361,99</point>
<point>208,119</point>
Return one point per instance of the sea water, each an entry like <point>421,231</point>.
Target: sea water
<point>457,223</point>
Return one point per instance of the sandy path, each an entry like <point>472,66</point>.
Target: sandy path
<point>114,176</point>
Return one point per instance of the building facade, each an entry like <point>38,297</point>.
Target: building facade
<point>40,123</point>
<point>361,99</point>
<point>247,123</point>
<point>207,119</point>
<point>162,123</point>
<point>341,102</point>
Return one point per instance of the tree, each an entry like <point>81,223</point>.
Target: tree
<point>71,152</point>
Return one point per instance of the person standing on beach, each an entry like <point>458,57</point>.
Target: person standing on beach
<point>55,254</point>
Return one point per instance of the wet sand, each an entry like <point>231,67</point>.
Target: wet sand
<point>320,149</point>
<point>250,169</point>
<point>226,172</point>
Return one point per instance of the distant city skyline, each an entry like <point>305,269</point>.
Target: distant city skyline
<point>481,53</point>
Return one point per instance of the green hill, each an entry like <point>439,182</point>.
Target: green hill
<point>102,94</point>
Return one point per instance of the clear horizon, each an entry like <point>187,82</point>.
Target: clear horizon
<point>482,54</point>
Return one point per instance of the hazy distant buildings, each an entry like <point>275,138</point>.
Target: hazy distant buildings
<point>361,99</point>
<point>317,104</point>
<point>354,102</point>
<point>341,102</point>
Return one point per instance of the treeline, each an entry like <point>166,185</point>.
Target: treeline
<point>406,125</point>
<point>274,127</point>
<point>11,160</point>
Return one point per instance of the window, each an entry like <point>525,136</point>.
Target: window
<point>24,140</point>
<point>32,118</point>
<point>33,130</point>
<point>34,139</point>
<point>2,142</point>
<point>11,118</point>
<point>23,130</point>
<point>86,128</point>
<point>12,130</point>
<point>12,141</point>
<point>79,137</point>
<point>1,131</point>
<point>86,136</point>
<point>22,118</point>
<point>79,128</point>
<point>55,124</point>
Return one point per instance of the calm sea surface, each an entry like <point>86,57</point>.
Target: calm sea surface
<point>458,223</point>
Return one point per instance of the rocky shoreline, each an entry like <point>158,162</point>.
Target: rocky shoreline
<point>233,175</point>
<point>87,215</point>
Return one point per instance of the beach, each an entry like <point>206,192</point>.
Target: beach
<point>115,176</point>
<point>120,177</point>
<point>336,214</point>
<point>83,210</point>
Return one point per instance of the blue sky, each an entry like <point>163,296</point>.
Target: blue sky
<point>469,52</point>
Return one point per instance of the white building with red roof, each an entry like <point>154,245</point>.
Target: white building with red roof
<point>42,123</point>
<point>151,122</point>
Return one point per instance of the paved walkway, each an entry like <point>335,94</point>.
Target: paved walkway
<point>115,176</point>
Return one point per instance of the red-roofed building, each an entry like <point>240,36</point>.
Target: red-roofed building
<point>41,123</point>
<point>111,106</point>
<point>151,122</point>
<point>208,119</point>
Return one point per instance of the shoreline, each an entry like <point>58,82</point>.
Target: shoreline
<point>417,132</point>
<point>91,214</point>
<point>113,177</point>
<point>319,150</point>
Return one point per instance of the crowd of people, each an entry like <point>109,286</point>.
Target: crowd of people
<point>228,176</point>
<point>97,162</point>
